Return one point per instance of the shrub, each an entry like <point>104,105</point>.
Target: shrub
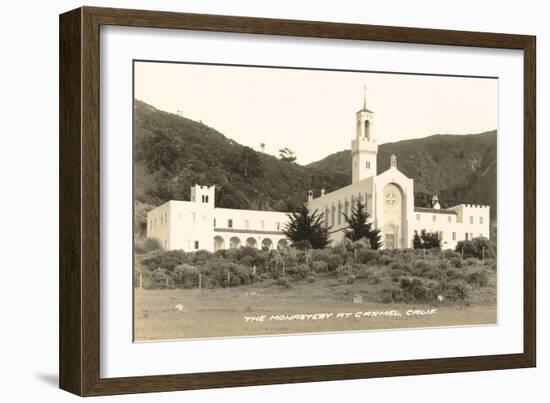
<point>451,254</point>
<point>367,256</point>
<point>404,267</point>
<point>456,262</point>
<point>457,290</point>
<point>417,290</point>
<point>151,244</point>
<point>349,279</point>
<point>388,295</point>
<point>186,276</point>
<point>161,279</point>
<point>453,274</point>
<point>385,260</point>
<point>471,262</point>
<point>311,278</point>
<point>363,272</point>
<point>216,273</point>
<point>478,247</point>
<point>164,259</point>
<point>343,271</point>
<point>478,277</point>
<point>301,270</point>
<point>319,266</point>
<point>200,257</point>
<point>343,246</point>
<point>335,261</point>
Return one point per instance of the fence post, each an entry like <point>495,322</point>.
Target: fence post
<point>254,270</point>
<point>200,281</point>
<point>228,277</point>
<point>462,251</point>
<point>483,253</point>
<point>424,254</point>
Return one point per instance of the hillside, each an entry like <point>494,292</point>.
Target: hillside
<point>171,153</point>
<point>457,168</point>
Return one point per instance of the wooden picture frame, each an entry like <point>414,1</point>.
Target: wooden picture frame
<point>79,346</point>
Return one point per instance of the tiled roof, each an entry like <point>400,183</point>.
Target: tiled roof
<point>433,210</point>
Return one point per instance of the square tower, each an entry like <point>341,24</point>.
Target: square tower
<point>203,195</point>
<point>363,147</point>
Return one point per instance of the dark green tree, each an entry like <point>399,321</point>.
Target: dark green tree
<point>249,163</point>
<point>426,240</point>
<point>359,227</point>
<point>307,227</point>
<point>286,154</point>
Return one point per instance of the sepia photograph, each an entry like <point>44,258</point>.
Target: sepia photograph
<point>271,200</point>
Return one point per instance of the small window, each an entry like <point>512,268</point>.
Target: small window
<point>471,219</point>
<point>481,220</point>
<point>368,164</point>
<point>230,223</point>
<point>196,244</point>
<point>466,235</point>
<point>434,218</point>
<point>206,198</point>
<point>214,222</point>
<point>278,226</point>
<point>202,198</point>
<point>418,217</point>
<point>454,236</point>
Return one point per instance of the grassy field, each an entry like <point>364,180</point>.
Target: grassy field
<point>223,312</point>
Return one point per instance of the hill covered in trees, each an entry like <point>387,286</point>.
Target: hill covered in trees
<point>172,153</point>
<point>459,168</point>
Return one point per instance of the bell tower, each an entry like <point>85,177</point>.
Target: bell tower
<point>363,147</point>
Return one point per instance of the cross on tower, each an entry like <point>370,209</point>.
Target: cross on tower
<point>364,96</point>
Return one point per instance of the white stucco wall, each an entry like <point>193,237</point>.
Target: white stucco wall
<point>464,221</point>
<point>340,202</point>
<point>194,225</point>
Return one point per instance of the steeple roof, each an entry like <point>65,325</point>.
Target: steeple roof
<point>364,108</point>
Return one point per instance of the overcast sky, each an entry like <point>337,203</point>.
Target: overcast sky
<point>313,112</point>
